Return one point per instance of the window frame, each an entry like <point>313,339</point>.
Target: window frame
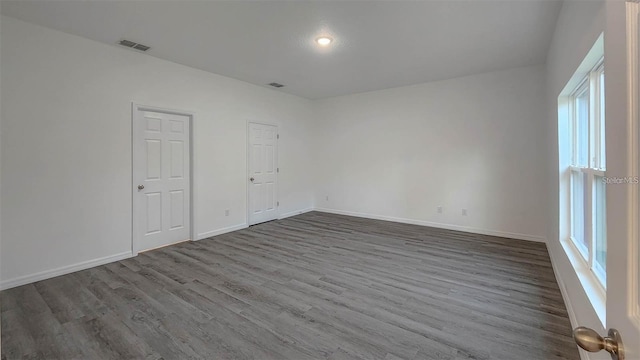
<point>595,168</point>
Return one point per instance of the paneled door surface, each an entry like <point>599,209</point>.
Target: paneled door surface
<point>161,178</point>
<point>263,173</point>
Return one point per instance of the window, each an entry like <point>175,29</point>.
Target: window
<point>587,170</point>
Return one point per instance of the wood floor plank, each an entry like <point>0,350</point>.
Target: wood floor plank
<point>314,286</point>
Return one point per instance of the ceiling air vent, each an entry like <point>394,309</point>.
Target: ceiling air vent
<point>134,45</point>
<point>141,47</point>
<point>276,85</point>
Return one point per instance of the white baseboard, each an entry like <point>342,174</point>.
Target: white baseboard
<point>27,279</point>
<point>22,280</point>
<point>438,225</point>
<point>229,229</point>
<point>294,213</point>
<point>573,319</point>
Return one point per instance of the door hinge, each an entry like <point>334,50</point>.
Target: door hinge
<point>277,203</point>
<point>278,136</point>
<point>277,170</point>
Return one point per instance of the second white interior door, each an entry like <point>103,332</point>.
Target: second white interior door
<point>263,173</point>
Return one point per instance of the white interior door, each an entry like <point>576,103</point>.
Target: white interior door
<point>623,216</point>
<point>623,201</point>
<point>161,178</point>
<point>263,173</point>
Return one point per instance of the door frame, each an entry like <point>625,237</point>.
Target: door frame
<point>248,170</point>
<point>632,10</point>
<point>135,107</point>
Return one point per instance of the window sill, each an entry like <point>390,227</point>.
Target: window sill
<point>595,292</point>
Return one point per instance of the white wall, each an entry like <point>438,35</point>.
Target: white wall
<point>579,25</point>
<point>66,146</point>
<point>475,142</point>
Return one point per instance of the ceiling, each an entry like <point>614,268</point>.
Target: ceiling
<point>377,44</point>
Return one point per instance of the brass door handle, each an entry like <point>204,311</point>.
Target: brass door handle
<point>251,179</point>
<point>591,341</point>
<point>140,187</point>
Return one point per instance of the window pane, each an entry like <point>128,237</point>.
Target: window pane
<point>577,211</point>
<point>600,228</point>
<point>582,129</point>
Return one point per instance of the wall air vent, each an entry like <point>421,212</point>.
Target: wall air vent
<point>134,45</point>
<point>276,85</point>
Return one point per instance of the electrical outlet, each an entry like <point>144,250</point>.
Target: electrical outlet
<point>226,212</point>
<point>439,209</point>
<point>464,212</point>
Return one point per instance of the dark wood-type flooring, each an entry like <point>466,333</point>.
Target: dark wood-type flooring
<point>315,286</point>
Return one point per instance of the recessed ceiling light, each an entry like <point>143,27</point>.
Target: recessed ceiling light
<point>324,40</point>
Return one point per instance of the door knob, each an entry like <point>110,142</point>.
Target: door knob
<point>251,179</point>
<point>140,187</point>
<point>591,341</point>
